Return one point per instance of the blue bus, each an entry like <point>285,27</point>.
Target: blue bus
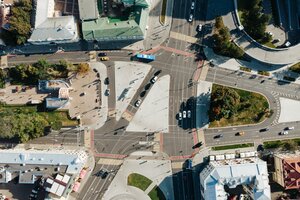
<point>189,164</point>
<point>145,57</point>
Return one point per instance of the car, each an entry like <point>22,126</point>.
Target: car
<point>193,6</point>
<point>107,92</point>
<point>180,116</point>
<point>191,18</point>
<point>289,128</point>
<point>138,103</point>
<point>218,136</point>
<point>104,58</point>
<point>283,133</point>
<point>240,133</point>
<point>102,54</point>
<point>106,81</point>
<point>157,73</point>
<point>264,129</point>
<point>199,144</point>
<point>154,79</point>
<point>102,173</point>
<point>262,81</point>
<point>189,114</point>
<point>184,114</point>
<point>287,44</point>
<point>199,28</point>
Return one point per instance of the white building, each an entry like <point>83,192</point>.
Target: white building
<point>51,27</point>
<point>251,173</point>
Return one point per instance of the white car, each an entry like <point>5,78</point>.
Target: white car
<point>284,133</point>
<point>153,80</point>
<point>184,114</point>
<point>289,128</point>
<point>179,116</point>
<point>199,28</point>
<point>193,6</point>
<point>138,103</point>
<point>191,18</point>
<point>189,114</point>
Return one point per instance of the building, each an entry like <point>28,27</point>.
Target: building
<point>118,20</point>
<point>58,93</point>
<point>287,170</point>
<point>40,165</point>
<point>220,177</point>
<point>51,26</point>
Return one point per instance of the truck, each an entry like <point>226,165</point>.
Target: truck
<point>145,57</point>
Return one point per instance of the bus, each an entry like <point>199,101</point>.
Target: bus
<point>145,57</point>
<point>189,164</point>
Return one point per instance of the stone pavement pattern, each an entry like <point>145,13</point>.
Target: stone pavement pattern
<point>290,110</point>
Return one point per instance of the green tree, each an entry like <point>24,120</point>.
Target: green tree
<point>83,68</point>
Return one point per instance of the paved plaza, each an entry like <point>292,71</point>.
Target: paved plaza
<point>88,101</point>
<point>153,166</point>
<point>203,103</point>
<point>128,78</point>
<point>153,114</point>
<point>290,110</point>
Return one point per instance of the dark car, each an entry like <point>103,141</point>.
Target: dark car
<point>102,173</point>
<point>218,136</point>
<point>262,81</point>
<point>102,54</point>
<point>199,144</point>
<point>106,81</point>
<point>264,129</point>
<point>157,73</point>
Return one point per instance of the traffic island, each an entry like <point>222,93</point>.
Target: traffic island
<point>232,107</point>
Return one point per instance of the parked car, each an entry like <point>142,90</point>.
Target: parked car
<point>106,81</point>
<point>189,114</point>
<point>154,79</point>
<point>102,54</point>
<point>289,128</point>
<point>193,6</point>
<point>191,18</point>
<point>180,116</point>
<point>184,114</point>
<point>104,58</point>
<point>218,136</point>
<point>107,92</point>
<point>138,103</point>
<point>199,28</point>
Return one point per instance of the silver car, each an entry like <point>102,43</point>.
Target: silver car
<point>191,18</point>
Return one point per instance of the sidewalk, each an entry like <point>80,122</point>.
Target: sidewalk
<point>234,64</point>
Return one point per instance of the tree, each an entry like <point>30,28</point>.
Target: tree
<point>289,145</point>
<point>83,68</point>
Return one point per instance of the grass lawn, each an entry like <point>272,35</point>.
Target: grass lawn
<point>295,67</point>
<point>278,143</point>
<point>231,107</point>
<point>269,44</point>
<point>163,12</point>
<point>51,117</point>
<point>139,181</point>
<point>234,146</point>
<point>156,194</point>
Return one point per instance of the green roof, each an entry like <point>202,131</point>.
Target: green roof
<point>103,29</point>
<point>142,3</point>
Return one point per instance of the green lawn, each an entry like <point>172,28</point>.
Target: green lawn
<point>269,44</point>
<point>231,107</point>
<point>234,146</point>
<point>139,181</point>
<point>279,143</point>
<point>156,194</point>
<point>295,67</point>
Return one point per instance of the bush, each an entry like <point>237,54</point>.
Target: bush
<point>295,68</point>
<point>245,69</point>
<point>289,78</point>
<point>264,73</point>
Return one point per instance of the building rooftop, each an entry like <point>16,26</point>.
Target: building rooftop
<point>248,171</point>
<point>287,170</point>
<point>88,9</point>
<point>51,26</point>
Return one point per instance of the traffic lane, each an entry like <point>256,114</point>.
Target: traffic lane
<point>251,134</point>
<point>111,86</point>
<point>256,81</point>
<point>178,143</point>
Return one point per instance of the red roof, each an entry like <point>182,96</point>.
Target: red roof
<point>291,173</point>
<point>82,174</point>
